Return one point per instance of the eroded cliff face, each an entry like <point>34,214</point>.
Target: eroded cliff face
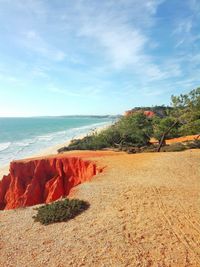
<point>148,113</point>
<point>39,181</point>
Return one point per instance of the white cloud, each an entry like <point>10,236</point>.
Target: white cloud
<point>195,6</point>
<point>122,45</point>
<point>5,76</point>
<point>115,33</point>
<point>84,92</point>
<point>62,91</point>
<point>184,31</point>
<point>100,38</point>
<point>184,26</point>
<point>32,41</point>
<point>119,34</point>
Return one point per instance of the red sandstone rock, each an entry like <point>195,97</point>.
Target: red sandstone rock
<point>43,180</point>
<point>148,113</point>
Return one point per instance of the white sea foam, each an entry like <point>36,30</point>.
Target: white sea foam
<point>24,143</point>
<point>45,137</point>
<point>27,147</point>
<point>4,146</point>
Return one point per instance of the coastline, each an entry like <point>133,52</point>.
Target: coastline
<point>52,150</point>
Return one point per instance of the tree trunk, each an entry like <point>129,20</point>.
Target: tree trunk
<point>162,141</point>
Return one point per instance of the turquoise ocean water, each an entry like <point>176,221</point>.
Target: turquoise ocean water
<point>23,137</point>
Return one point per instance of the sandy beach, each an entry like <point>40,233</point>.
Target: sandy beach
<point>144,212</point>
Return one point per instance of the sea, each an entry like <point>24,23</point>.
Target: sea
<point>23,137</point>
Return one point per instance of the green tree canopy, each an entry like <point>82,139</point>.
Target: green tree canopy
<point>135,129</point>
<point>161,126</point>
<point>186,108</point>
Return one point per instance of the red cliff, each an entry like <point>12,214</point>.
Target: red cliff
<point>148,113</point>
<point>39,181</point>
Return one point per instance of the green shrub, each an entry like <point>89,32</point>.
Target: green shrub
<point>134,130</point>
<point>60,211</point>
<point>192,127</point>
<point>105,139</point>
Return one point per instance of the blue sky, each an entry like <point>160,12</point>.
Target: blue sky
<point>63,57</point>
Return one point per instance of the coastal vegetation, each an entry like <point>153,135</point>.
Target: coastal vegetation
<point>60,211</point>
<point>134,131</point>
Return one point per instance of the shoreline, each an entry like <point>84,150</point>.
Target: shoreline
<point>52,150</point>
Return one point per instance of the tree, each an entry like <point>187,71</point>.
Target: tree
<point>164,128</point>
<point>135,129</point>
<point>185,117</point>
<point>186,109</point>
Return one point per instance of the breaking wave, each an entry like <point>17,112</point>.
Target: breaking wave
<point>19,149</point>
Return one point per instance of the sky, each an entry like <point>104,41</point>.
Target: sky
<point>64,57</point>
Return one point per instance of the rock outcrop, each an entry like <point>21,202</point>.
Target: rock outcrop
<point>147,113</point>
<point>39,181</point>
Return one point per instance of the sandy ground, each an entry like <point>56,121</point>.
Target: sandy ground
<point>144,212</point>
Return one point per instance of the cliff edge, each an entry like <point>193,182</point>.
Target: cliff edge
<point>39,181</point>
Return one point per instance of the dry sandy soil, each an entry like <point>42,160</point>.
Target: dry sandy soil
<point>144,212</point>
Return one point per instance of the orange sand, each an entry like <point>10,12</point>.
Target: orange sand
<point>181,139</point>
<point>177,140</point>
<point>144,212</point>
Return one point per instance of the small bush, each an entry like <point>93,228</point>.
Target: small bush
<point>193,144</point>
<point>60,211</point>
<point>176,147</point>
<point>150,148</point>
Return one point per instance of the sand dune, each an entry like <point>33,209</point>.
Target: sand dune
<point>144,212</point>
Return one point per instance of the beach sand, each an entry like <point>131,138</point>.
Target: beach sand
<point>4,170</point>
<point>144,211</point>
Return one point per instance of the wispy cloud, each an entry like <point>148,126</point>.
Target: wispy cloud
<point>194,6</point>
<point>185,28</point>
<point>100,49</point>
<point>62,91</point>
<point>32,41</point>
<point>123,43</point>
<point>123,46</point>
<point>84,92</point>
